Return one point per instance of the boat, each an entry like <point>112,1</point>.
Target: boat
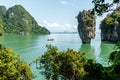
<point>50,39</point>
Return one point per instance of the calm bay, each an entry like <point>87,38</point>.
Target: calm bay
<point>29,47</point>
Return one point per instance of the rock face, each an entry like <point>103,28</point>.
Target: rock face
<point>86,26</point>
<point>2,17</point>
<point>17,20</point>
<point>110,27</point>
<point>3,11</point>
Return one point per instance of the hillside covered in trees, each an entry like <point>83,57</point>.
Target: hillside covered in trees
<point>110,26</point>
<point>17,20</point>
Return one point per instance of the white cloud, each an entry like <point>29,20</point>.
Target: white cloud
<point>52,25</point>
<point>44,21</point>
<point>75,27</point>
<point>68,25</point>
<point>56,27</point>
<point>63,2</point>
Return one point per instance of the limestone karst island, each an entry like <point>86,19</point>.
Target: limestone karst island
<point>86,26</point>
<point>17,20</point>
<point>59,39</point>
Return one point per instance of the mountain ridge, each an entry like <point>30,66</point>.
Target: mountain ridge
<point>19,21</point>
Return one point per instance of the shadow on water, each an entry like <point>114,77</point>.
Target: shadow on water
<point>99,52</point>
<point>105,50</point>
<point>88,50</point>
<point>109,42</point>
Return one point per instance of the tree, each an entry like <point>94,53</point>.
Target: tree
<point>19,21</point>
<point>115,55</point>
<point>64,65</point>
<point>102,6</point>
<point>72,65</point>
<point>94,70</point>
<point>1,26</point>
<point>11,67</point>
<point>110,29</point>
<point>109,23</point>
<point>114,59</point>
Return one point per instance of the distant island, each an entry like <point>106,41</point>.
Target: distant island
<point>64,32</point>
<point>17,20</point>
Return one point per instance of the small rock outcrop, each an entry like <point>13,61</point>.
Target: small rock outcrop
<point>110,27</point>
<point>86,26</point>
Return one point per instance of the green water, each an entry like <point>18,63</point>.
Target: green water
<point>32,46</point>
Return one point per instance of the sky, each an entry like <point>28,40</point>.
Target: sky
<point>55,15</point>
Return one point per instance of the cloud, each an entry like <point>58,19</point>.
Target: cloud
<point>63,2</point>
<point>56,27</point>
<point>52,25</point>
<point>75,27</point>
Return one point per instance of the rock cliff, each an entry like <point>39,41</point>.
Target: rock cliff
<point>86,26</point>
<point>2,17</point>
<point>3,11</point>
<point>110,27</point>
<point>17,20</point>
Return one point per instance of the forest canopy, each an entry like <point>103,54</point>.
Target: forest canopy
<point>102,6</point>
<point>11,67</point>
<point>17,20</point>
<point>73,65</point>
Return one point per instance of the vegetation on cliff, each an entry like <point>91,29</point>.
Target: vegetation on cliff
<point>86,26</point>
<point>3,11</point>
<point>17,20</point>
<point>11,67</point>
<point>1,26</point>
<point>110,26</point>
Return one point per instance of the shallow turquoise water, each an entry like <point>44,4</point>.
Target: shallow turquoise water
<point>32,46</point>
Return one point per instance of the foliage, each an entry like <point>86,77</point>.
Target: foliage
<point>85,18</point>
<point>72,65</point>
<point>101,6</point>
<point>2,11</point>
<point>66,65</point>
<point>94,70</point>
<point>111,22</point>
<point>86,25</point>
<point>11,68</point>
<point>17,20</point>
<point>108,24</point>
<point>114,58</point>
<point>115,55</point>
<point>1,26</point>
